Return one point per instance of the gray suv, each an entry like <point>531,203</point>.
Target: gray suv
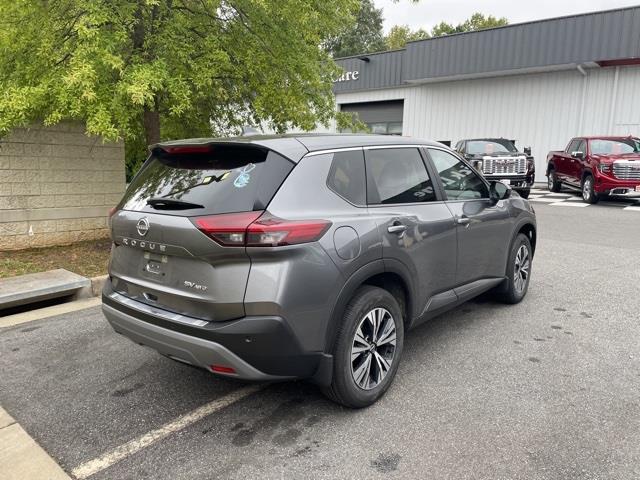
<point>310,256</point>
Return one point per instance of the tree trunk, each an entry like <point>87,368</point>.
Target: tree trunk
<point>151,125</point>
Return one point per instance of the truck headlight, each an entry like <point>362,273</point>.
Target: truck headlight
<point>604,167</point>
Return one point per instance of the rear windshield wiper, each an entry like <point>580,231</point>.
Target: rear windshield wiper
<point>171,204</point>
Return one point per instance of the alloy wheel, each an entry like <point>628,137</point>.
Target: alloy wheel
<point>373,348</point>
<point>586,189</point>
<point>550,181</point>
<point>522,267</point>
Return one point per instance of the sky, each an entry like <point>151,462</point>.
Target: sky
<point>427,13</point>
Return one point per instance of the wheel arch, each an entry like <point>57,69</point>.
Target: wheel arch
<point>379,273</point>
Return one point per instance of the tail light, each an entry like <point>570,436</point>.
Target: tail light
<point>260,229</point>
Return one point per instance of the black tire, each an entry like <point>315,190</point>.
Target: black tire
<point>343,388</point>
<point>511,291</point>
<point>524,193</point>
<point>588,193</point>
<point>553,184</point>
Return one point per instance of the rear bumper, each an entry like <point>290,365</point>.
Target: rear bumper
<point>256,348</point>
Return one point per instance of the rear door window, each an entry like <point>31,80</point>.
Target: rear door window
<point>397,175</point>
<point>201,181</point>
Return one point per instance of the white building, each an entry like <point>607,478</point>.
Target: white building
<point>540,83</point>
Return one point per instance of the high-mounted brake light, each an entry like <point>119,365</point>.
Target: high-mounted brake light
<point>222,369</point>
<point>188,149</point>
<point>112,211</point>
<point>260,229</point>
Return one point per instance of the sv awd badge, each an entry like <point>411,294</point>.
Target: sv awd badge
<point>195,286</point>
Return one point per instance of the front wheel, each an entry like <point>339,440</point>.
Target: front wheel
<point>518,271</point>
<point>367,349</point>
<point>589,195</point>
<point>553,184</point>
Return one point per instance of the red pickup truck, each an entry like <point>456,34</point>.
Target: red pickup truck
<point>598,166</point>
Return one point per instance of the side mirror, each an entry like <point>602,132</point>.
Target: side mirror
<point>577,154</point>
<point>499,191</point>
<point>527,151</point>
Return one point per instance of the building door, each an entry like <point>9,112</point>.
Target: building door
<point>381,117</point>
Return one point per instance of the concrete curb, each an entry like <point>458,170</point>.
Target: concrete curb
<point>94,289</point>
<point>21,457</point>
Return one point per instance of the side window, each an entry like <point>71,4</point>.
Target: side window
<point>582,147</point>
<point>397,175</point>
<point>573,146</point>
<point>347,177</point>
<point>459,180</point>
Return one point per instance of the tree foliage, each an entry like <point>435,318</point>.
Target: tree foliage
<point>151,69</point>
<point>365,36</point>
<point>399,35</point>
<point>477,21</point>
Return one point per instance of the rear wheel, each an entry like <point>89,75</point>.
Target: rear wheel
<point>524,193</point>
<point>553,184</point>
<point>518,271</point>
<point>588,193</point>
<point>367,349</point>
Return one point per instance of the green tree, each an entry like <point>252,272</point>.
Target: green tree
<point>399,35</point>
<point>146,70</point>
<point>365,36</point>
<point>477,21</point>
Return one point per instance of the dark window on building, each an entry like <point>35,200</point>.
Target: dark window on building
<point>459,180</point>
<point>347,177</point>
<point>397,175</point>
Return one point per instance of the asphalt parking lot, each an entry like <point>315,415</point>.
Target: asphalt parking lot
<point>547,389</point>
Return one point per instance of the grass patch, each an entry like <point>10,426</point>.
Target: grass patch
<point>88,259</point>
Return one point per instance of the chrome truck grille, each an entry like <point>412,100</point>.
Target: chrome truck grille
<point>504,165</point>
<point>627,170</point>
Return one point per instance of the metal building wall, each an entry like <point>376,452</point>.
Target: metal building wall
<point>539,110</point>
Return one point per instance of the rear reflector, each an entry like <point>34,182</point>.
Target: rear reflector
<point>260,229</point>
<point>222,369</point>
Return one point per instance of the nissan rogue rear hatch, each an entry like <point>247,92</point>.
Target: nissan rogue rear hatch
<point>161,257</point>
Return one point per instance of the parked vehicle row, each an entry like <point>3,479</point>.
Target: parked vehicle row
<point>598,166</point>
<point>499,159</point>
<point>271,258</point>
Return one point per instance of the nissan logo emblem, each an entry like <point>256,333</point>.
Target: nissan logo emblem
<point>142,226</point>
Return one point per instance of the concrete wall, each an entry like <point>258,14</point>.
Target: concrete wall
<point>57,186</point>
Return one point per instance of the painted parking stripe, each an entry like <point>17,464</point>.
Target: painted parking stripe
<point>632,209</point>
<point>569,204</point>
<point>123,451</point>
<point>533,197</point>
<point>559,195</point>
<point>545,200</point>
<point>574,199</point>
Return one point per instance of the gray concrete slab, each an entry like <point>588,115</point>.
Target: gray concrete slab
<point>25,289</point>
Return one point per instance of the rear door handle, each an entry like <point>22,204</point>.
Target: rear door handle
<point>463,220</point>
<point>397,228</point>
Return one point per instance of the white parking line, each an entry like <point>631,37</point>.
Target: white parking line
<point>574,199</point>
<point>569,204</point>
<point>544,199</point>
<point>123,451</point>
<point>633,209</point>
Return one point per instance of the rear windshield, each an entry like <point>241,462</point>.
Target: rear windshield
<point>480,147</point>
<point>226,179</point>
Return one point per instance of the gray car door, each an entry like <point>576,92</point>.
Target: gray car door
<point>416,226</point>
<point>483,228</point>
